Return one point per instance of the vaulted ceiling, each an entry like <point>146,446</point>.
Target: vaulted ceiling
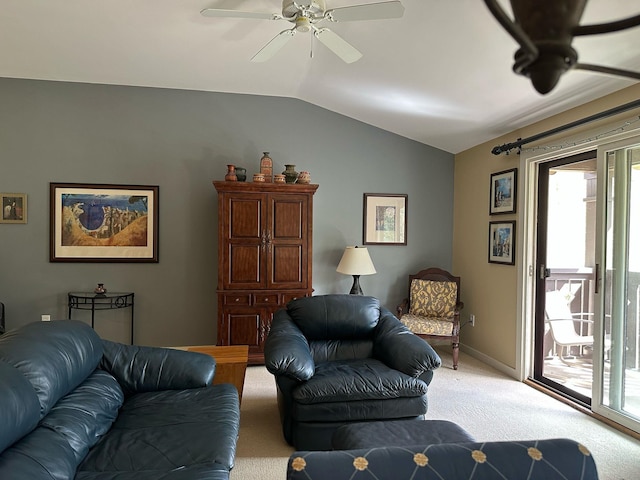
<point>440,75</point>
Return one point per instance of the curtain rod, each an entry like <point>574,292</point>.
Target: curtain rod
<point>497,150</point>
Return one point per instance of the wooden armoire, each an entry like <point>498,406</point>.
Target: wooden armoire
<point>264,257</point>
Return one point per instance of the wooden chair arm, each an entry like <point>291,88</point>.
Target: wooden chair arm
<point>402,308</point>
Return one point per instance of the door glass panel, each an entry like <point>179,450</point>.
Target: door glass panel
<point>620,368</point>
<point>566,324</point>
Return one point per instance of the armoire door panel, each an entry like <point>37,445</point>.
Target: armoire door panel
<point>245,218</point>
<point>288,218</point>
<point>244,268</point>
<point>286,269</point>
<point>244,328</point>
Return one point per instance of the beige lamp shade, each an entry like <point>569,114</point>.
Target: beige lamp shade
<point>356,261</point>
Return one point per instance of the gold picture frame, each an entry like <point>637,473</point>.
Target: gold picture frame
<point>14,207</point>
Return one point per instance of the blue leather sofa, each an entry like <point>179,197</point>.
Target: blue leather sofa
<point>339,359</point>
<point>76,406</point>
<point>551,459</point>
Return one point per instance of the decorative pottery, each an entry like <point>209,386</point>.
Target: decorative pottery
<point>258,177</point>
<point>241,174</point>
<point>290,174</point>
<point>266,167</point>
<point>279,178</point>
<point>100,290</point>
<point>231,174</point>
<point>304,177</point>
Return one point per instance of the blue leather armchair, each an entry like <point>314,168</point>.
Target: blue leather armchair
<point>343,358</point>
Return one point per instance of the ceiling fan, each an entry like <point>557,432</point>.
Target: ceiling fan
<point>305,15</point>
<point>544,29</point>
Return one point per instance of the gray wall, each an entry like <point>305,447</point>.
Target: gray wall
<point>181,141</point>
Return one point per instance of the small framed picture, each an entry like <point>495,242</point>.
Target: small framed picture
<point>385,219</point>
<point>503,192</point>
<point>502,246</point>
<point>14,208</point>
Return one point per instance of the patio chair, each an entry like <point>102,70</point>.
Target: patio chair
<point>562,324</point>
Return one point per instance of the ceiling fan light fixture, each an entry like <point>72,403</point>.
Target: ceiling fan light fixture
<point>303,24</point>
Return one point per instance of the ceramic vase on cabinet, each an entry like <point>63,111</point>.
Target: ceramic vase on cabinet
<point>304,177</point>
<point>231,174</point>
<point>290,173</point>
<point>241,174</point>
<point>266,167</point>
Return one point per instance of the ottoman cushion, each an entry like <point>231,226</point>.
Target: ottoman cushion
<point>398,433</point>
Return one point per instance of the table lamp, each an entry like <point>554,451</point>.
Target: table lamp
<point>356,261</point>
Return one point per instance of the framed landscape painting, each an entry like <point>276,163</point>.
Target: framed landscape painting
<point>502,242</point>
<point>103,223</point>
<point>385,219</point>
<point>503,192</point>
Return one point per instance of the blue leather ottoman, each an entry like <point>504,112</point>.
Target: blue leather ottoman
<point>398,433</point>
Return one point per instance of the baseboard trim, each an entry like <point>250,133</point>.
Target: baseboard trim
<point>492,362</point>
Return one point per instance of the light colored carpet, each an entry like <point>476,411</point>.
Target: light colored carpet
<point>485,402</point>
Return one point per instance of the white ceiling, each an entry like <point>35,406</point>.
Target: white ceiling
<point>440,75</point>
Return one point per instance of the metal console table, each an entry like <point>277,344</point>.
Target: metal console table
<point>101,301</point>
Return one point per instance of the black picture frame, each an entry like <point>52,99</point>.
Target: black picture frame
<point>502,242</point>
<point>503,198</point>
<point>385,219</point>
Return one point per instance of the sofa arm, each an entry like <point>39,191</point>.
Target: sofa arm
<point>553,459</point>
<point>286,350</point>
<point>145,369</point>
<point>399,348</point>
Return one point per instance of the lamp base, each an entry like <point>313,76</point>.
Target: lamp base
<point>355,289</point>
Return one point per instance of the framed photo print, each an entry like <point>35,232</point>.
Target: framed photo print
<point>385,219</point>
<point>103,223</point>
<point>14,208</point>
<point>502,237</point>
<point>503,192</point>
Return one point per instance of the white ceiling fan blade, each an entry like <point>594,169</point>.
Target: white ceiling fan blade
<point>338,45</point>
<point>371,11</point>
<point>217,12</point>
<point>276,43</point>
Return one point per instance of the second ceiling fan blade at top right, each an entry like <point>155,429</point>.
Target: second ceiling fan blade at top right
<point>370,11</point>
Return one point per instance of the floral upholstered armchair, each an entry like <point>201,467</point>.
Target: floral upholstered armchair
<point>432,310</point>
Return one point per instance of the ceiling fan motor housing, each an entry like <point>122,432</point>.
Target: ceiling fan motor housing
<point>315,8</point>
<point>550,26</point>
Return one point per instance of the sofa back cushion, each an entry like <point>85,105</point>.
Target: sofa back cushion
<point>19,406</point>
<point>336,317</point>
<point>55,357</point>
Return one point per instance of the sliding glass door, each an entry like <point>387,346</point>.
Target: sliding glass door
<point>565,272</point>
<point>617,332</point>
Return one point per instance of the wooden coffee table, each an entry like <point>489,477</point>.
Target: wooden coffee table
<point>231,362</point>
